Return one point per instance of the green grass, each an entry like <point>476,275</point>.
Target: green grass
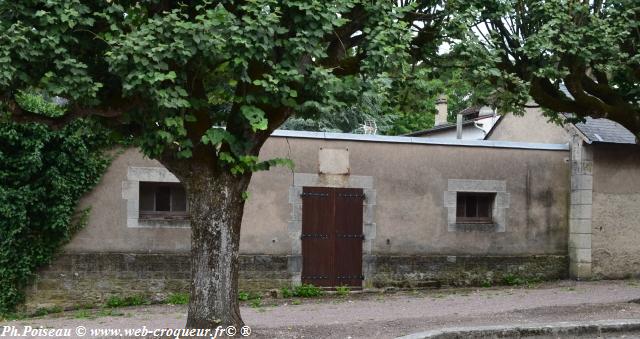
<point>109,312</point>
<point>246,296</point>
<point>132,300</point>
<point>178,298</point>
<point>514,280</point>
<point>83,314</point>
<point>256,302</point>
<point>342,290</point>
<point>47,310</point>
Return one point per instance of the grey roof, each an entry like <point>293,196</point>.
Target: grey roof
<point>605,131</point>
<point>601,130</point>
<point>419,141</point>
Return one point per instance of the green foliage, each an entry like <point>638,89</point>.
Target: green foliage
<point>42,311</point>
<point>246,296</point>
<point>255,302</point>
<point>398,107</point>
<point>43,174</point>
<point>515,280</point>
<point>215,78</point>
<point>83,314</point>
<point>343,290</point>
<point>132,300</point>
<point>286,292</point>
<point>487,282</point>
<point>243,296</point>
<point>307,291</point>
<point>527,49</point>
<point>179,298</point>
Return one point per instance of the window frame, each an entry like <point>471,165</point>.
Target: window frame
<point>162,215</point>
<point>463,198</point>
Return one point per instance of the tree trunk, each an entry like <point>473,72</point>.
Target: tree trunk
<point>216,206</point>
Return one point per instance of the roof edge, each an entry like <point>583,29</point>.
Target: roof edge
<point>420,141</point>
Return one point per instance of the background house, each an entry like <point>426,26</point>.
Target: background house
<point>475,123</point>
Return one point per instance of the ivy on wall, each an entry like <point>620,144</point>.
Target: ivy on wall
<point>43,174</point>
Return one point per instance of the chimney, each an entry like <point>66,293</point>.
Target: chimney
<point>441,106</point>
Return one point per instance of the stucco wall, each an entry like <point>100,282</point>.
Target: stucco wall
<point>531,127</point>
<point>410,215</point>
<point>616,212</point>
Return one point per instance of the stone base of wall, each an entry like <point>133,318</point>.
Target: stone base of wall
<point>418,271</point>
<point>82,279</point>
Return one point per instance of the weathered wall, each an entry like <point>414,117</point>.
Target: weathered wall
<point>410,180</point>
<point>408,215</point>
<point>83,279</point>
<point>616,212</point>
<point>531,127</point>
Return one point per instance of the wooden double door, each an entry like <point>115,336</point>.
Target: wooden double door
<point>332,236</point>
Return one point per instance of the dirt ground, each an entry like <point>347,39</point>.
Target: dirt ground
<point>384,315</point>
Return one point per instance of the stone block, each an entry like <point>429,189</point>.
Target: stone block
<point>294,264</point>
<point>294,195</point>
<point>450,198</point>
<point>464,185</point>
<point>580,270</point>
<point>154,174</point>
<point>580,255</point>
<point>296,212</point>
<point>580,226</point>
<point>503,200</point>
<point>295,226</point>
<point>581,197</point>
<point>370,196</point>
<point>333,161</point>
<point>368,214</point>
<point>369,231</point>
<point>581,182</point>
<point>580,240</point>
<point>580,212</point>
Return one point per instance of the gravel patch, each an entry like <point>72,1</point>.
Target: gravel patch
<point>392,315</point>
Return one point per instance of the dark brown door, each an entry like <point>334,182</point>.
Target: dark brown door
<point>332,236</point>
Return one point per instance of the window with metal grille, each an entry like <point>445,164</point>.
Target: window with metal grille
<point>474,207</point>
<point>162,200</point>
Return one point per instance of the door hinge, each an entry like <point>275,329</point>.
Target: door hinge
<point>314,235</point>
<point>346,195</point>
<point>351,236</point>
<point>358,277</point>
<point>311,194</point>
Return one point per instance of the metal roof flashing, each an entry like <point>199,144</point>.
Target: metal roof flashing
<point>420,141</point>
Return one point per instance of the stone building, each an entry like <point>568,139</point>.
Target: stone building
<point>368,210</point>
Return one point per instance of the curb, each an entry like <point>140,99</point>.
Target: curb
<point>522,331</point>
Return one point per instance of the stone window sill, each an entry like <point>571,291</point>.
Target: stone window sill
<point>476,227</point>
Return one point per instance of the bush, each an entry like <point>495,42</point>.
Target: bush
<point>43,174</point>
<point>286,292</point>
<point>307,291</point>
